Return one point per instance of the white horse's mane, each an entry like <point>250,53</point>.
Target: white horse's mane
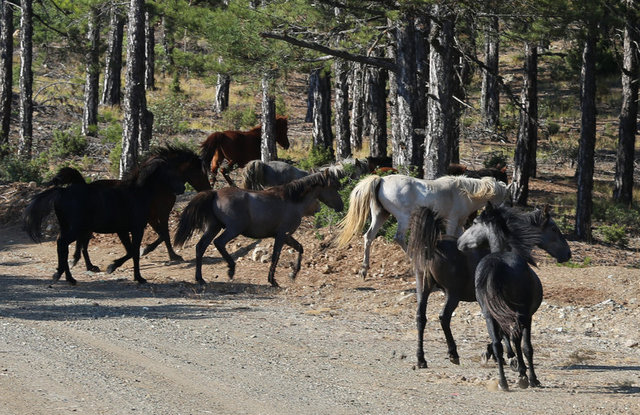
<point>483,188</point>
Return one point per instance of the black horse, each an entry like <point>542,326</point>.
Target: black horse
<point>184,162</point>
<point>508,290</point>
<point>438,264</point>
<point>122,208</point>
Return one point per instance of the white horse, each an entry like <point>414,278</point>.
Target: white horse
<point>454,198</point>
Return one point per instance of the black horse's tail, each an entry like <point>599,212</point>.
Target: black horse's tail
<point>196,216</point>
<point>66,175</point>
<point>424,234</point>
<point>490,283</point>
<point>38,209</point>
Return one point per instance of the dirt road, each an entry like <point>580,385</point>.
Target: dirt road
<point>327,343</point>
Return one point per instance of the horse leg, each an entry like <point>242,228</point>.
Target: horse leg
<point>275,256</point>
<point>523,380</point>
<point>220,243</point>
<point>201,247</point>
<point>63,256</point>
<point>496,344</point>
<point>528,352</point>
<point>136,241</point>
<point>445,322</point>
<point>161,227</point>
<point>82,245</point>
<point>298,247</point>
<point>126,242</point>
<point>422,294</point>
<point>226,176</point>
<point>401,233</point>
<point>377,220</point>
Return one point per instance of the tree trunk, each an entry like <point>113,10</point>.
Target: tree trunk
<point>406,149</point>
<point>343,133</point>
<point>623,182</point>
<point>223,83</point>
<point>393,94</point>
<point>134,87</point>
<point>167,45</point>
<point>322,134</point>
<point>377,99</point>
<point>490,96</point>
<point>26,79</point>
<point>357,105</point>
<point>268,149</point>
<point>587,137</point>
<point>6,70</point>
<point>440,105</point>
<point>528,131</point>
<point>422,73</point>
<point>92,75</point>
<point>149,54</point>
<point>313,85</point>
<point>111,93</point>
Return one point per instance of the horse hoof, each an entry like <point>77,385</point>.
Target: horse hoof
<point>176,258</point>
<point>274,284</point>
<point>535,383</point>
<point>454,360</point>
<point>111,268</point>
<point>93,268</point>
<point>422,364</point>
<point>523,382</point>
<point>72,281</point>
<point>503,386</point>
<point>484,358</point>
<point>513,364</point>
<point>56,276</point>
<point>363,274</point>
<point>141,280</point>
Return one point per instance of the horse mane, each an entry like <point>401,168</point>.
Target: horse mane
<point>514,228</point>
<point>482,188</point>
<point>296,190</point>
<point>253,175</point>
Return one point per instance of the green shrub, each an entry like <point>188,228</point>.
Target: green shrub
<point>169,115</point>
<point>614,234</point>
<point>239,117</point>
<point>494,159</point>
<point>553,128</point>
<point>112,133</point>
<point>114,159</point>
<point>15,169</point>
<point>318,156</point>
<point>68,143</point>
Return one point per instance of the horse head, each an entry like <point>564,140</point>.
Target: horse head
<point>329,194</point>
<point>281,131</point>
<point>552,239</point>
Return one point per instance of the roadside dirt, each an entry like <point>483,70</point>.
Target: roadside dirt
<point>328,342</point>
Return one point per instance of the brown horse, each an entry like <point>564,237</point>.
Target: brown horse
<point>238,147</point>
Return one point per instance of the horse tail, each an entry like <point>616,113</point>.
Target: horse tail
<point>38,209</point>
<point>66,175</point>
<point>491,284</point>
<point>208,149</point>
<point>424,234</point>
<point>196,216</point>
<point>360,200</point>
<point>253,175</point>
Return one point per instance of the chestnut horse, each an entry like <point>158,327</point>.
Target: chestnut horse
<point>238,147</point>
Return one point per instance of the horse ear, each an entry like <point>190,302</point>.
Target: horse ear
<point>547,211</point>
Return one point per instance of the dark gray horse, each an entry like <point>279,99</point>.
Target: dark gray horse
<point>508,290</point>
<point>438,264</point>
<point>275,212</point>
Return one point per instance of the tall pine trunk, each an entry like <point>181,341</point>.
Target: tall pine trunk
<point>111,92</point>
<point>268,150</point>
<point>321,130</point>
<point>623,182</point>
<point>528,131</point>
<point>134,87</point>
<point>149,53</point>
<point>490,95</point>
<point>406,148</point>
<point>343,132</point>
<point>92,75</point>
<point>586,149</point>
<point>393,92</point>
<point>377,108</point>
<point>26,79</point>
<point>441,122</point>
<point>223,82</point>
<point>357,105</point>
<point>167,44</point>
<point>6,70</point>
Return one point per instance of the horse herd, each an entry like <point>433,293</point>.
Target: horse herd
<point>489,263</point>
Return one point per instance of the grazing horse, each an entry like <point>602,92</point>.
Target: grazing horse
<point>508,290</point>
<point>184,162</point>
<point>499,172</point>
<point>453,197</point>
<point>438,264</point>
<point>275,212</point>
<point>238,147</point>
<point>83,208</point>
